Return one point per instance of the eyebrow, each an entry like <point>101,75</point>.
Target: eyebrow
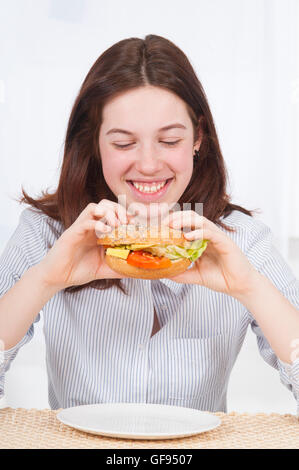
<point>165,128</point>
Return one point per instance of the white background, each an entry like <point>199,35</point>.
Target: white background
<point>245,52</point>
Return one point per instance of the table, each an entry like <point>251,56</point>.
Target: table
<point>40,429</point>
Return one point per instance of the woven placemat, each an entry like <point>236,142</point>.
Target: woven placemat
<point>40,429</point>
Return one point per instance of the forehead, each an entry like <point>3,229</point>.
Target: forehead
<point>149,105</point>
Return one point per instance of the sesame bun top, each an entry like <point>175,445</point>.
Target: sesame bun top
<point>142,234</point>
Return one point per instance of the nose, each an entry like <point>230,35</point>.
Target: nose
<point>148,162</point>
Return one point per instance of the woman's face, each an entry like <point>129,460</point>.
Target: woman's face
<point>142,162</point>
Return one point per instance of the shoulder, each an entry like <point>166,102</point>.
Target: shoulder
<point>238,219</point>
<point>249,230</point>
<point>39,223</point>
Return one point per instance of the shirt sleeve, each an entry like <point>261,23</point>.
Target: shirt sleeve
<point>268,261</point>
<point>24,249</point>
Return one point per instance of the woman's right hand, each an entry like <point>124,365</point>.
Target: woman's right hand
<point>75,258</point>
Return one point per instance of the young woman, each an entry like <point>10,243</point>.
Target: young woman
<point>141,116</point>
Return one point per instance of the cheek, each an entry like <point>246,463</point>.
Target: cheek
<point>113,166</point>
<point>181,163</point>
<point>109,174</point>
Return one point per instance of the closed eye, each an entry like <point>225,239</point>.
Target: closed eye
<point>128,145</point>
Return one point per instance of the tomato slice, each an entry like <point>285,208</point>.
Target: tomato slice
<point>144,259</point>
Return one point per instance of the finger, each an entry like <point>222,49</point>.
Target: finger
<point>110,218</point>
<point>118,209</point>
<point>137,210</point>
<point>106,210</point>
<point>130,218</point>
<point>198,234</point>
<point>121,213</point>
<point>87,213</point>
<point>214,236</point>
<point>186,219</point>
<point>100,211</point>
<point>85,227</point>
<point>170,217</point>
<point>77,232</point>
<point>101,227</point>
<point>186,216</point>
<point>193,221</point>
<point>102,208</point>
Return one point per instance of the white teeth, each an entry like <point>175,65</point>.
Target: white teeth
<point>149,189</point>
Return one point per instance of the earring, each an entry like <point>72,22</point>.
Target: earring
<point>196,156</point>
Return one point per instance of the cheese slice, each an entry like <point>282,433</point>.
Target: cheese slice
<point>118,252</point>
<point>139,246</point>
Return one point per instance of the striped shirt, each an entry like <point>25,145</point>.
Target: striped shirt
<point>99,346</point>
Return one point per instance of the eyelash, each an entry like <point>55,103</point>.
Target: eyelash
<point>127,145</point>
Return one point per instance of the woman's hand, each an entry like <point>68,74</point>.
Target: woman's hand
<point>75,258</point>
<point>222,267</point>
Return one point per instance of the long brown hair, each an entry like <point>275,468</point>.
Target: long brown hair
<point>129,64</point>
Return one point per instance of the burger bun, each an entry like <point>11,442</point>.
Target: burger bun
<point>121,266</point>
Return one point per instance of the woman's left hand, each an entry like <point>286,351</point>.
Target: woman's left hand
<point>222,267</point>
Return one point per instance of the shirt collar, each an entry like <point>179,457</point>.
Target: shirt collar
<point>175,287</point>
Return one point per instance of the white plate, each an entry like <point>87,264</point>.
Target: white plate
<point>138,420</point>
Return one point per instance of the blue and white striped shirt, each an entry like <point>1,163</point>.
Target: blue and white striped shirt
<point>99,346</point>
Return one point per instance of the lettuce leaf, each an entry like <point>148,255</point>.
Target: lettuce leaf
<point>194,250</point>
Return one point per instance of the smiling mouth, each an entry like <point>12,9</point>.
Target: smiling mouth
<point>149,188</point>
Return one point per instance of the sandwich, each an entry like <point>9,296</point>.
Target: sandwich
<point>146,252</point>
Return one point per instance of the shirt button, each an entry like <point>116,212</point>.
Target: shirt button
<point>164,307</point>
<point>141,346</point>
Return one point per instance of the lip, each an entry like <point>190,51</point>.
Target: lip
<point>149,197</point>
<point>158,180</point>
